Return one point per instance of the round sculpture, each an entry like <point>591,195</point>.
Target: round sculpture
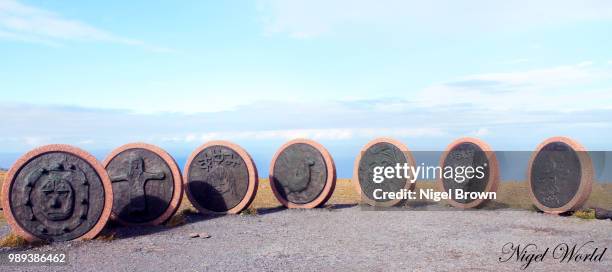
<point>560,175</point>
<point>302,174</point>
<point>147,184</point>
<point>57,193</point>
<point>469,153</point>
<point>220,178</point>
<point>381,152</point>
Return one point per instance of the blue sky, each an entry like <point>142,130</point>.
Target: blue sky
<point>179,73</point>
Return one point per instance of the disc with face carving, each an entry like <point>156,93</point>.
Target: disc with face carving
<point>221,178</point>
<point>57,193</point>
<point>302,174</point>
<point>555,175</point>
<point>146,182</point>
<point>474,169</point>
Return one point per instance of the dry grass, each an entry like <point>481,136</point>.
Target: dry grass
<point>585,214</point>
<point>12,240</point>
<point>180,218</point>
<point>344,193</point>
<point>249,211</point>
<point>107,236</point>
<point>2,176</point>
<point>601,196</point>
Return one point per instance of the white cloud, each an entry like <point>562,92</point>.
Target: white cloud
<point>86,142</point>
<point>545,77</point>
<point>34,140</point>
<point>348,122</point>
<point>559,89</point>
<point>260,121</point>
<point>481,132</point>
<point>20,22</point>
<point>310,18</point>
<point>548,101</point>
<point>23,38</point>
<point>330,134</point>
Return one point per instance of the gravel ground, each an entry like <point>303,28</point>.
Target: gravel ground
<point>345,238</point>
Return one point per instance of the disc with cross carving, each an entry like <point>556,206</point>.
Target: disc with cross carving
<point>147,184</point>
<point>302,174</point>
<point>220,178</point>
<point>57,193</point>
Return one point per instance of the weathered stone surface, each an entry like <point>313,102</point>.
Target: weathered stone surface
<point>221,178</point>
<point>147,184</point>
<point>560,175</point>
<point>381,152</point>
<point>57,193</point>
<point>302,174</point>
<point>470,153</point>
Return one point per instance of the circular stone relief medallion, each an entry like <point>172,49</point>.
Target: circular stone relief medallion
<point>57,193</point>
<point>147,184</point>
<point>381,152</point>
<point>302,174</point>
<point>560,175</point>
<point>474,154</point>
<point>220,178</point>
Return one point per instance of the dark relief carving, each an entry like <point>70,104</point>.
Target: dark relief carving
<point>555,175</point>
<point>300,173</point>
<point>463,155</point>
<point>142,185</point>
<point>385,155</point>
<point>218,178</point>
<point>57,196</point>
